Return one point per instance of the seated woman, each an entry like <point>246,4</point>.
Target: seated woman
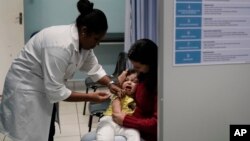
<point>143,56</point>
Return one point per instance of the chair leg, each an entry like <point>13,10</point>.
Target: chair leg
<point>90,122</point>
<point>85,102</point>
<point>84,108</point>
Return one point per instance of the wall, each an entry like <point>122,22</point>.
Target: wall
<point>10,28</point>
<point>43,13</point>
<point>198,103</point>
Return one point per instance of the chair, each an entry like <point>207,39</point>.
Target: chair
<point>97,109</point>
<point>121,64</point>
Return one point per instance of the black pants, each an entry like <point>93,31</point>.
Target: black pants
<point>52,124</point>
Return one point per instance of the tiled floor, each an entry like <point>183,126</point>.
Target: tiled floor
<point>73,123</point>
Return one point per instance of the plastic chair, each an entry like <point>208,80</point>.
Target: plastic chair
<point>97,109</point>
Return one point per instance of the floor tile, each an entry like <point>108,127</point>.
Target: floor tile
<point>68,138</point>
<point>68,130</point>
<point>67,108</point>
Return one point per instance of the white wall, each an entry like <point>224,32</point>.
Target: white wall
<point>11,35</point>
<point>198,103</point>
<point>43,13</point>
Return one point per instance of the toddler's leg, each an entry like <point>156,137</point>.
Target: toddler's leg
<point>105,131</point>
<point>130,133</point>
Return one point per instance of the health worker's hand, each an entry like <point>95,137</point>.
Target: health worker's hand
<point>98,96</point>
<point>116,90</point>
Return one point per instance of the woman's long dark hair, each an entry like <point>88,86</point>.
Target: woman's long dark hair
<point>145,52</point>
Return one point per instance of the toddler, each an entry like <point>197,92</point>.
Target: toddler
<point>107,129</point>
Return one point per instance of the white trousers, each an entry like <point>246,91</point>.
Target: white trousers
<point>107,129</point>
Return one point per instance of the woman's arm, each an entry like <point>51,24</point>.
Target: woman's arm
<point>137,121</point>
<point>95,97</point>
<point>146,125</point>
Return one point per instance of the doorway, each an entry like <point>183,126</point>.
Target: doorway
<point>11,34</point>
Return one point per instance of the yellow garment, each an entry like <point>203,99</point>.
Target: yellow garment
<point>125,101</point>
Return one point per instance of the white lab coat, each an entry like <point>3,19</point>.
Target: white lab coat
<point>36,80</point>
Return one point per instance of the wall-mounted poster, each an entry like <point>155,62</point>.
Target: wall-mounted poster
<point>211,32</point>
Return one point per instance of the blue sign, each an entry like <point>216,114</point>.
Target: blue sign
<point>187,34</point>
<point>188,57</point>
<point>188,45</point>
<point>191,9</point>
<point>188,22</point>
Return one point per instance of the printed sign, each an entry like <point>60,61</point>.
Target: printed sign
<point>211,32</point>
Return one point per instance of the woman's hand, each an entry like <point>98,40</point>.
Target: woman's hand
<point>116,90</point>
<point>122,76</point>
<point>118,117</point>
<point>98,96</point>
